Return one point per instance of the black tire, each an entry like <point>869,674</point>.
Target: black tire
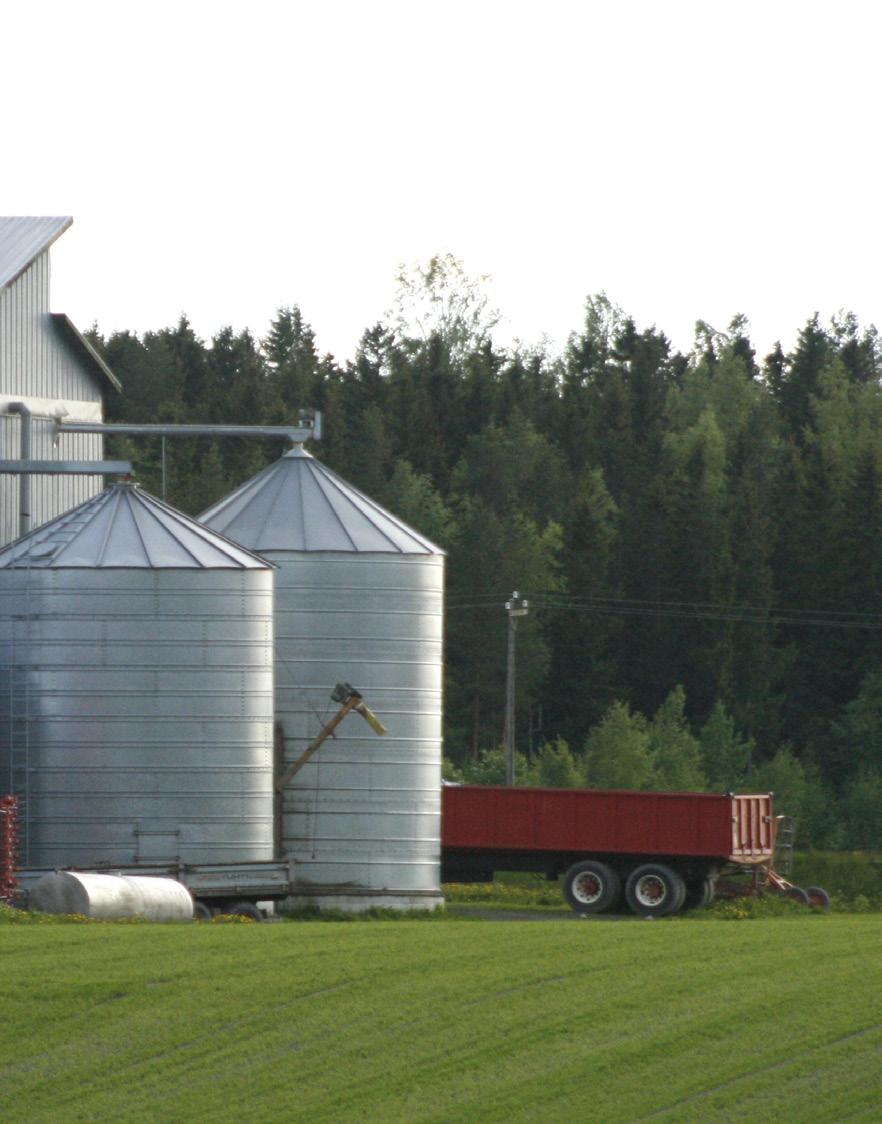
<point>699,895</point>
<point>655,890</point>
<point>244,909</point>
<point>797,894</point>
<point>818,897</point>
<point>202,912</point>
<point>591,887</point>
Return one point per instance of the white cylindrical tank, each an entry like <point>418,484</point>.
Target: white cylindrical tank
<point>109,897</point>
<point>136,689</point>
<point>359,599</point>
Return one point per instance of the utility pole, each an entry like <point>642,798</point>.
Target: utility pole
<point>516,607</point>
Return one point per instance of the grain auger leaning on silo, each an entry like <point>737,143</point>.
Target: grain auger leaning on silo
<point>359,597</point>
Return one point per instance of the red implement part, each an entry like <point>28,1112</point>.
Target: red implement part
<point>8,846</point>
<point>762,880</point>
<point>765,879</point>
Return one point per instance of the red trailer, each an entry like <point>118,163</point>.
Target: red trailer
<point>663,848</point>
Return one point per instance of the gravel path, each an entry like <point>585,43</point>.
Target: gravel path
<point>488,914</point>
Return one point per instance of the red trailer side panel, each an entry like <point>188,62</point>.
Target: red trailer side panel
<point>595,821</point>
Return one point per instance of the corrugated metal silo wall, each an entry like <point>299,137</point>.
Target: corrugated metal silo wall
<point>36,367</point>
<point>362,818</point>
<point>143,702</point>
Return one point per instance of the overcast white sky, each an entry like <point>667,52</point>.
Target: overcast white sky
<point>693,160</point>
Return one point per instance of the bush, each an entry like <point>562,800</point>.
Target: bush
<point>553,767</point>
<point>753,909</point>
<point>11,915</point>
<point>862,811</point>
<point>842,874</point>
<point>490,768</point>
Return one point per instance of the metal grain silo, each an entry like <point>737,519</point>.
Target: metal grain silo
<point>359,599</point>
<point>136,688</point>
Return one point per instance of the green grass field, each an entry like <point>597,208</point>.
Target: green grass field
<point>536,1020</point>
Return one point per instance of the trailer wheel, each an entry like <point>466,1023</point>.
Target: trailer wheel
<point>699,895</point>
<point>244,909</point>
<point>818,897</point>
<point>591,887</point>
<point>655,890</point>
<point>797,894</point>
<point>201,912</point>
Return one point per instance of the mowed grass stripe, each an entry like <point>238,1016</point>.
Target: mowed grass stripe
<point>409,1021</point>
<point>835,1074</point>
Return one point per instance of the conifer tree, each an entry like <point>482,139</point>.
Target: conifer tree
<point>795,382</point>
<point>585,676</point>
<point>725,756</point>
<point>292,358</point>
<point>554,766</point>
<point>617,751</point>
<point>412,498</point>
<point>491,555</point>
<point>675,753</point>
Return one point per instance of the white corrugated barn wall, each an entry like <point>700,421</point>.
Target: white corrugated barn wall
<point>45,364</point>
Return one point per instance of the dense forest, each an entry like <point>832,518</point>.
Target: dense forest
<point>699,535</point>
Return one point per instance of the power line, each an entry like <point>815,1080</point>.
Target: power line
<point>732,617</point>
<point>684,610</point>
<point>585,599</point>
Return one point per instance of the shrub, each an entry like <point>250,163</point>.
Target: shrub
<point>842,874</point>
<point>753,909</point>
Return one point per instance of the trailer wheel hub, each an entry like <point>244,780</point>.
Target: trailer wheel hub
<point>587,888</point>
<point>650,890</point>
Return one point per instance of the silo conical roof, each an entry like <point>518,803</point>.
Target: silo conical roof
<point>298,504</point>
<point>125,527</point>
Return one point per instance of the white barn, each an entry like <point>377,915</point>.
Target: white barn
<point>47,367</point>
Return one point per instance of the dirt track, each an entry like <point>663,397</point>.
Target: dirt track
<point>489,914</point>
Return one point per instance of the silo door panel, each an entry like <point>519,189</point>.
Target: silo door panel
<point>156,846</point>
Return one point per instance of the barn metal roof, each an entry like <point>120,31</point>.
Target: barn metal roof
<point>87,354</point>
<point>125,527</point>
<point>24,238</point>
<point>299,504</point>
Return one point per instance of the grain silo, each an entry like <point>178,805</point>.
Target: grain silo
<point>359,599</point>
<point>136,688</point>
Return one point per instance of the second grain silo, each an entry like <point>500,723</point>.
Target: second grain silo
<point>359,599</point>
<point>136,688</point>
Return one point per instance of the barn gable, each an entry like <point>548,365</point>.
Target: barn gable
<point>22,240</point>
<point>47,365</point>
